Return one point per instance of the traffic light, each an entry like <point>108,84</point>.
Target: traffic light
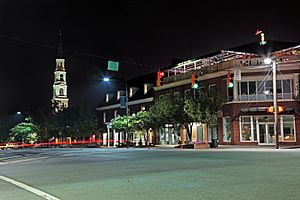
<point>195,82</point>
<point>160,74</point>
<point>270,109</point>
<point>230,79</point>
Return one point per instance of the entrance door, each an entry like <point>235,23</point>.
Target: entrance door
<point>266,133</point>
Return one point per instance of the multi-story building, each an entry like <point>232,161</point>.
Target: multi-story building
<point>243,118</point>
<point>140,96</point>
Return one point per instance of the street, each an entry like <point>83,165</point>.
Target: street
<point>106,173</point>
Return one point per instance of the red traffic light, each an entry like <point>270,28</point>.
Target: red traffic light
<point>159,75</point>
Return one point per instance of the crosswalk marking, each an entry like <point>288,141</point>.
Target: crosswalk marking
<point>29,188</point>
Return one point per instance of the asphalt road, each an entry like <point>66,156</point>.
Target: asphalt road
<point>154,174</point>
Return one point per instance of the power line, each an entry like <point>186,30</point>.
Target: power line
<point>76,52</point>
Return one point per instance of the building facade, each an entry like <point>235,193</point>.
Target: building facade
<point>242,118</point>
<point>140,95</point>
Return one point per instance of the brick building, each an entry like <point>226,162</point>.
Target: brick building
<point>243,118</point>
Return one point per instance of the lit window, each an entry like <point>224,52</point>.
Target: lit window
<point>107,98</point>
<point>61,92</point>
<point>287,130</point>
<point>130,92</point>
<point>226,129</point>
<point>118,95</point>
<point>246,129</point>
<point>145,88</point>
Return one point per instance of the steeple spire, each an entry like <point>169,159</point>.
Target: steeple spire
<point>60,47</point>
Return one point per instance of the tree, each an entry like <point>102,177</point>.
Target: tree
<point>26,132</point>
<point>163,111</point>
<point>210,103</point>
<point>86,123</point>
<point>120,123</point>
<point>183,110</point>
<point>142,123</point>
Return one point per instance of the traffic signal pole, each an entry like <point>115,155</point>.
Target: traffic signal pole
<point>275,104</point>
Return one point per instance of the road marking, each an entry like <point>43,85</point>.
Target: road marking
<point>28,188</point>
<point>10,157</point>
<point>22,160</point>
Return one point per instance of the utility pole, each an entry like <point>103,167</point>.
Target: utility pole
<point>275,104</point>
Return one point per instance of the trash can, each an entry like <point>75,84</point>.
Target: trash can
<point>214,143</point>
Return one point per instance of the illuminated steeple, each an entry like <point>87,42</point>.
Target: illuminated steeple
<point>60,100</point>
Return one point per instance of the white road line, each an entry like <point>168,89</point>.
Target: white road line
<point>28,188</point>
<point>22,160</point>
<point>10,157</point>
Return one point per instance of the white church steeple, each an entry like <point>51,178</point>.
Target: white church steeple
<point>60,98</point>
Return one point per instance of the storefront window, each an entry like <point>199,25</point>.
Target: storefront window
<point>287,130</point>
<point>246,129</point>
<point>226,129</point>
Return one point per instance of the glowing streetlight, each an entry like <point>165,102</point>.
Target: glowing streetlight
<point>267,61</point>
<point>18,113</point>
<point>106,79</point>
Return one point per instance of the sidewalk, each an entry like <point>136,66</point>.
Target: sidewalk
<point>237,147</point>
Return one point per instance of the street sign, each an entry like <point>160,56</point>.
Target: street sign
<point>123,101</point>
<point>113,66</point>
<point>237,75</point>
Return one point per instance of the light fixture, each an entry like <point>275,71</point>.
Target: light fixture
<point>267,92</point>
<point>267,61</point>
<point>106,79</point>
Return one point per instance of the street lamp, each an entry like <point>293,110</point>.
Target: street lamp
<point>268,61</point>
<point>126,101</point>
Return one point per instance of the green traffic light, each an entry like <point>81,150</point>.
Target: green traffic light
<point>195,86</point>
<point>230,85</point>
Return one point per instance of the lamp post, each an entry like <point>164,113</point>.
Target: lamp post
<point>126,102</point>
<point>269,61</point>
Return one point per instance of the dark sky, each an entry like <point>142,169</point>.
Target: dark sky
<point>145,32</point>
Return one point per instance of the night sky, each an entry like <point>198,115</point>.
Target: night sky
<point>147,32</point>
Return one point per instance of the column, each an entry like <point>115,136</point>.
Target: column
<point>235,90</point>
<point>115,137</point>
<point>121,137</point>
<point>108,137</point>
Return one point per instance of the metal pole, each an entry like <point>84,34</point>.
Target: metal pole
<point>126,110</point>
<point>275,104</point>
